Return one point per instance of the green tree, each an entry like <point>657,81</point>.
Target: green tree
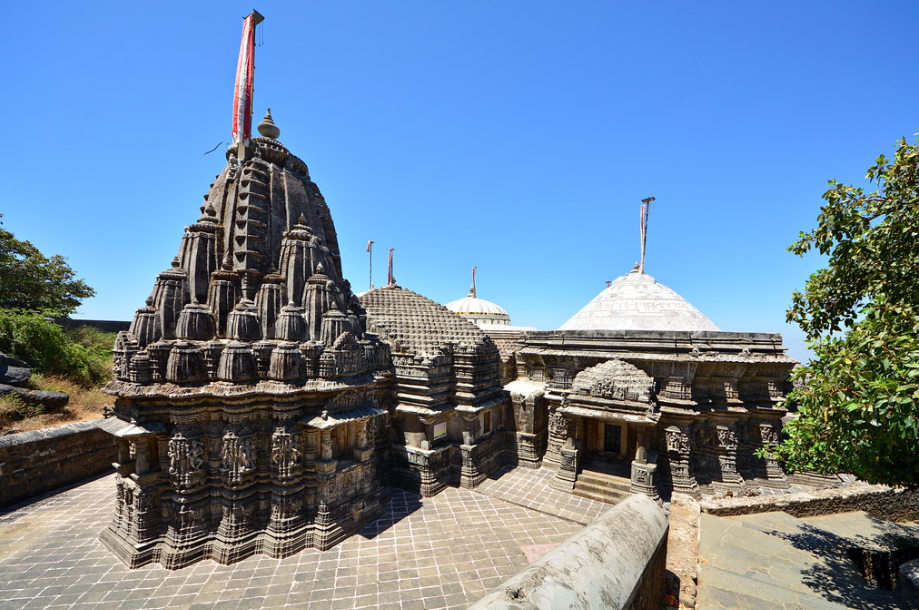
<point>859,404</point>
<point>31,281</point>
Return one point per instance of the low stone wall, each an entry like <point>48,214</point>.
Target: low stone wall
<point>878,500</point>
<point>33,463</point>
<point>615,563</point>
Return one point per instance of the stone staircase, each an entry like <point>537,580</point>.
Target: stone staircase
<point>777,561</point>
<point>606,486</point>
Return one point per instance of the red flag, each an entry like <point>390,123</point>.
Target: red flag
<point>245,67</point>
<point>369,243</point>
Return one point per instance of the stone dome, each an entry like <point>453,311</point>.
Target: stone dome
<point>636,301</point>
<point>479,311</point>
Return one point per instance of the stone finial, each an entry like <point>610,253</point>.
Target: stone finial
<point>267,127</point>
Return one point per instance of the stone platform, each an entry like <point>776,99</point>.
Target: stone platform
<point>424,553</point>
<point>774,561</point>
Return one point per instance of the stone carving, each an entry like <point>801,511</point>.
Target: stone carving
<point>285,455</point>
<point>673,436</point>
<point>237,455</point>
<point>768,435</point>
<point>727,439</point>
<point>186,457</point>
<point>558,425</point>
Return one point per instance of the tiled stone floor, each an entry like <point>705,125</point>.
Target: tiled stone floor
<point>425,553</point>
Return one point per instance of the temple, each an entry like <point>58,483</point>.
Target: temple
<point>639,392</point>
<point>262,407</point>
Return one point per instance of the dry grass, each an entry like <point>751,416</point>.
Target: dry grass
<point>84,404</point>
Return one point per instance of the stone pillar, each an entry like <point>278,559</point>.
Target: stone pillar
<point>770,438</point>
<point>325,443</point>
<point>727,458</point>
<point>567,472</point>
<point>679,454</point>
<point>641,445</point>
<point>643,472</point>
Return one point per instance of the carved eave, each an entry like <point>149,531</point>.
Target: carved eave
<point>265,390</point>
<point>123,429</point>
<point>612,416</point>
<point>328,420</point>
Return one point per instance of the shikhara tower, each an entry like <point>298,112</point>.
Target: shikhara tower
<point>247,390</point>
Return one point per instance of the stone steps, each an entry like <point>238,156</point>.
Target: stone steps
<point>602,487</point>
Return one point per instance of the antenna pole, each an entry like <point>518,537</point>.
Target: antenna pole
<point>370,253</point>
<point>645,210</point>
<point>473,284</point>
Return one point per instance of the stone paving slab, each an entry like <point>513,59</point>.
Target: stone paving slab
<point>529,488</point>
<point>774,560</point>
<point>424,553</point>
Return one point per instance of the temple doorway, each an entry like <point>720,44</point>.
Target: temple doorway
<point>607,447</point>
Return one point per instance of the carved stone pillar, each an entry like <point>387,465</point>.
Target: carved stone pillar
<point>727,458</point>
<point>679,454</point>
<point>567,472</point>
<point>770,438</point>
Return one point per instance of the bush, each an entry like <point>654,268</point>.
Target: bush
<point>47,348</point>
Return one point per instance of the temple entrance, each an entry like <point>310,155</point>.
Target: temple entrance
<point>612,439</point>
<point>607,447</point>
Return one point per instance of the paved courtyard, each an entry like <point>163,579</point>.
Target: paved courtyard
<point>424,553</point>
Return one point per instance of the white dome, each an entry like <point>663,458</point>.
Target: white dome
<point>637,302</point>
<point>479,311</point>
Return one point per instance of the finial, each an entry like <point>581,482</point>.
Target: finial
<point>267,127</point>
<point>175,262</point>
<point>319,268</point>
<point>645,210</point>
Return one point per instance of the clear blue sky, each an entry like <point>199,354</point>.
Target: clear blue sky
<point>517,136</point>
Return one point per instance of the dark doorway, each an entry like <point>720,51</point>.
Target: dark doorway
<point>612,439</point>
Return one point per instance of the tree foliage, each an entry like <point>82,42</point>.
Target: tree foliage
<point>31,281</point>
<point>859,405</point>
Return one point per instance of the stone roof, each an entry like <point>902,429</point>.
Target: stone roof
<point>415,323</point>
<point>636,301</point>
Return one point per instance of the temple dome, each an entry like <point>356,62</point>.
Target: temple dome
<point>416,324</point>
<point>636,301</point>
<point>479,311</point>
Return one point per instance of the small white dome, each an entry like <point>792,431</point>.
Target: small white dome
<point>479,311</point>
<point>636,301</point>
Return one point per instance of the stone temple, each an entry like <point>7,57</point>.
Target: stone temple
<point>262,407</point>
<point>641,385</point>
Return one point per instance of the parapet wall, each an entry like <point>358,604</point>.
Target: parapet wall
<point>615,563</point>
<point>36,462</point>
<point>878,500</point>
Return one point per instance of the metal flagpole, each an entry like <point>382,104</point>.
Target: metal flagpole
<point>370,252</point>
<point>474,296</point>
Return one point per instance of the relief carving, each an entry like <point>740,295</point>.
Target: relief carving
<point>237,455</point>
<point>186,457</point>
<point>285,454</point>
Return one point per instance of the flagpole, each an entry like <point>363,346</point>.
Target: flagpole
<point>370,253</point>
<point>645,210</point>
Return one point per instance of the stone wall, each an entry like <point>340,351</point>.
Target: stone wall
<point>878,500</point>
<point>33,463</point>
<point>615,563</point>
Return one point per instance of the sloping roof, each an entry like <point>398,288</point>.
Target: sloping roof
<point>417,324</point>
<point>636,301</point>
